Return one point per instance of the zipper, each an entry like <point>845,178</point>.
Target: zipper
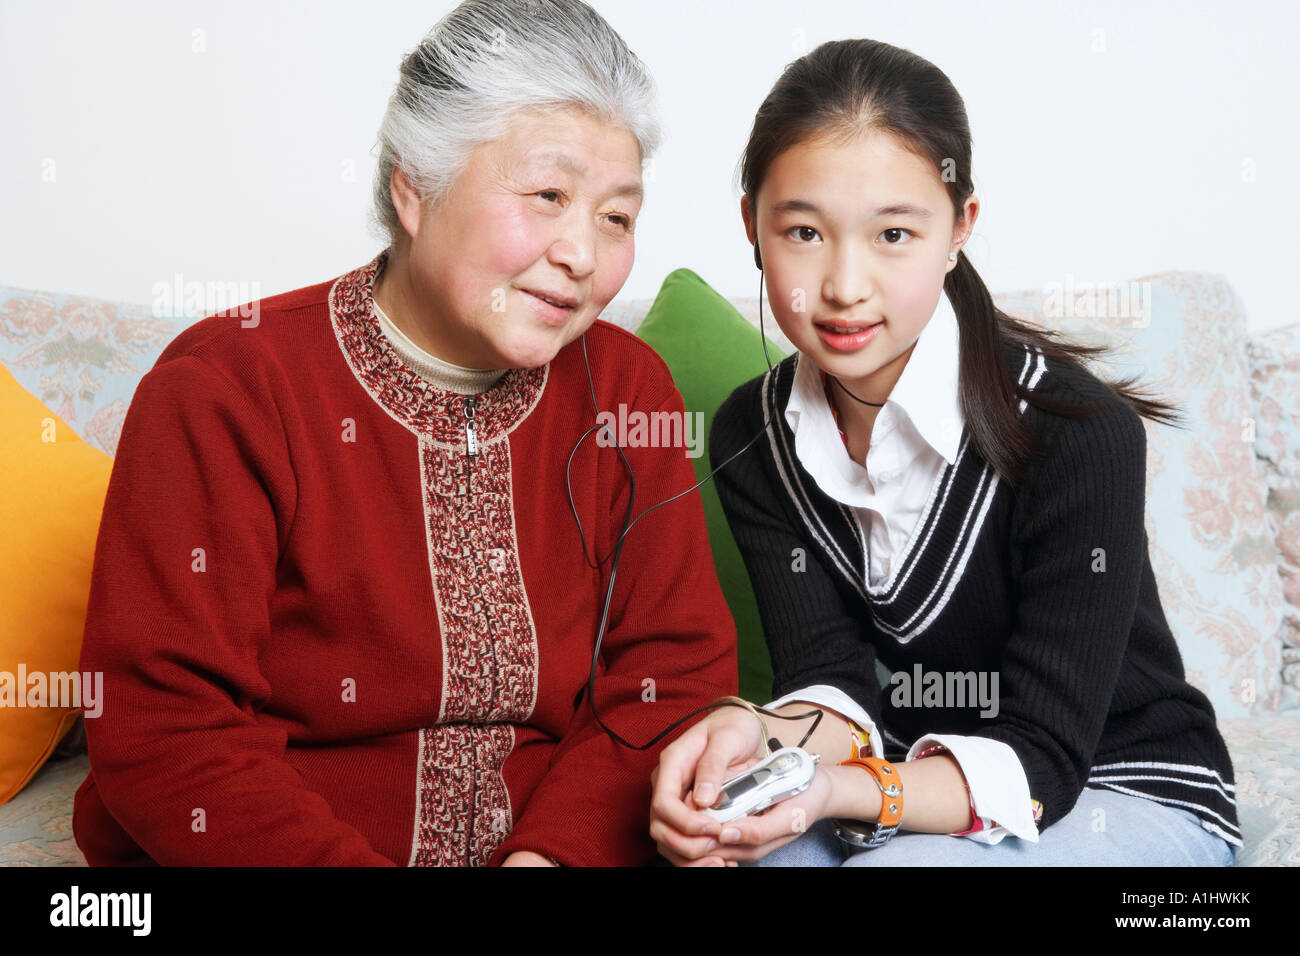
<point>473,796</point>
<point>471,452</point>
<point>471,439</point>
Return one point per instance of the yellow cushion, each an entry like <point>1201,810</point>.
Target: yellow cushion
<point>52,488</point>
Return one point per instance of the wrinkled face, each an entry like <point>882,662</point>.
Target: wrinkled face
<point>854,239</point>
<point>547,210</point>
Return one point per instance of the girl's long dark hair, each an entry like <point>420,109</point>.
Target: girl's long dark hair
<point>848,87</point>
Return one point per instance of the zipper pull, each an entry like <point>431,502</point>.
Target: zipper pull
<point>471,436</point>
<point>471,444</point>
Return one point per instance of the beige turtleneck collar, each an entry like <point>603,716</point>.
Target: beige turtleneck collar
<point>453,378</point>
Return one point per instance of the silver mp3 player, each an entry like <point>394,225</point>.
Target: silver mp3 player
<point>782,774</point>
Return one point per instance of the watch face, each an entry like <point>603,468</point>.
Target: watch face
<point>854,831</point>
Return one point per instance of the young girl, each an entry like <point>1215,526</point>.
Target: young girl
<point>950,492</point>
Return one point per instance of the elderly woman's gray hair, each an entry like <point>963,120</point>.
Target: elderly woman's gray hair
<point>485,61</point>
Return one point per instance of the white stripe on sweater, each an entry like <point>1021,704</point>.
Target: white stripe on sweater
<point>1157,765</point>
<point>1218,831</point>
<point>1207,785</point>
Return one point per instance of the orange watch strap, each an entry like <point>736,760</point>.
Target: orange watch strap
<point>891,787</point>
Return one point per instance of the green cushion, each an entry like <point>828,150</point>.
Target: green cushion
<point>711,349</point>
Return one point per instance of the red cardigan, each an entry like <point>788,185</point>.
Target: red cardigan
<point>330,636</point>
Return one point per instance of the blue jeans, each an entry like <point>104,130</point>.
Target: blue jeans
<point>1128,831</point>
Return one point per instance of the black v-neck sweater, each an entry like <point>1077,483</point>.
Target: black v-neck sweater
<point>1048,585</point>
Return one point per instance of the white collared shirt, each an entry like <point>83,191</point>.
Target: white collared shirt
<point>916,433</point>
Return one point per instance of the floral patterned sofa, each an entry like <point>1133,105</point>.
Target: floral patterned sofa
<point>1223,505</point>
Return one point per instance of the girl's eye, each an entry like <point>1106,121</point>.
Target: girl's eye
<point>803,233</point>
<point>898,233</point>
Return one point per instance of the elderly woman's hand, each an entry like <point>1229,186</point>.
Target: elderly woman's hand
<point>689,777</point>
<point>526,858</point>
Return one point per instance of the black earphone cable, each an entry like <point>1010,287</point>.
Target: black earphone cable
<point>617,549</point>
<point>860,401</point>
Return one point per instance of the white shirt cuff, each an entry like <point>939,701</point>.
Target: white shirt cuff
<point>832,698</point>
<point>998,787</point>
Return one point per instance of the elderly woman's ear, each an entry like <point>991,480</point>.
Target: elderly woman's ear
<point>406,203</point>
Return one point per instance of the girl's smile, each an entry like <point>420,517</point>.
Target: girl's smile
<point>846,338</point>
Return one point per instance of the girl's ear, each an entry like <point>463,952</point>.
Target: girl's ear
<point>965,224</point>
<point>746,214</point>
<point>751,229</point>
<point>962,229</point>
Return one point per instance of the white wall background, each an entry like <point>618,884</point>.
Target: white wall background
<point>1112,139</point>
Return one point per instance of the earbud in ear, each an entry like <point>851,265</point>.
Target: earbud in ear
<point>758,260</point>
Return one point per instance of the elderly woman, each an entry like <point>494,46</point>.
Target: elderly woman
<point>342,607</point>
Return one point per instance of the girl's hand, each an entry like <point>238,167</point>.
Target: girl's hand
<point>689,775</point>
<point>834,792</point>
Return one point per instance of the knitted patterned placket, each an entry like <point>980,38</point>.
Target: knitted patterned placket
<point>489,656</point>
<point>489,643</point>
